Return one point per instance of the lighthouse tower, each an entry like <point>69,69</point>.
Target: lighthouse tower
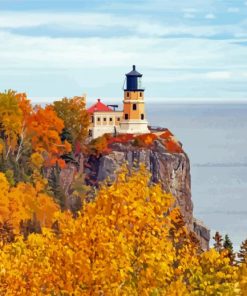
<point>134,117</point>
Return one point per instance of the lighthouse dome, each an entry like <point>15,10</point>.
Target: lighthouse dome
<point>133,80</point>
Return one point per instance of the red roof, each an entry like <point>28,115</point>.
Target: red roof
<point>99,107</point>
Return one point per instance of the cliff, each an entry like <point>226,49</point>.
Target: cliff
<point>171,169</point>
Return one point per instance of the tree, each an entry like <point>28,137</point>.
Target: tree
<point>229,248</point>
<point>44,128</point>
<point>242,278</point>
<point>242,254</point>
<point>20,202</point>
<point>99,145</point>
<point>128,241</point>
<point>75,117</point>
<point>6,233</point>
<point>218,245</point>
<point>26,109</point>
<point>117,245</point>
<point>10,120</point>
<point>56,187</point>
<point>213,275</point>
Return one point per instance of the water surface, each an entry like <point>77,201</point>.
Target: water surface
<point>215,139</point>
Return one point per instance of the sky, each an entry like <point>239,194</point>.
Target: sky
<point>186,50</point>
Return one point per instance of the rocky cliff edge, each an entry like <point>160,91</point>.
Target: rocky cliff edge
<point>164,158</point>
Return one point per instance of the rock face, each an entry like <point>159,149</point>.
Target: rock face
<point>172,170</point>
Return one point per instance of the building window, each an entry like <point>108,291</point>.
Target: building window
<point>118,119</point>
<point>126,116</point>
<point>140,94</point>
<point>104,118</point>
<point>127,94</point>
<point>92,119</point>
<point>98,119</point>
<point>110,118</point>
<point>142,116</point>
<point>134,107</point>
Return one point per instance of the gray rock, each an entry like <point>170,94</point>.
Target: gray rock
<point>172,170</point>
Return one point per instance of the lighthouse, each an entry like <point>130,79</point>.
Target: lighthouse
<point>134,118</point>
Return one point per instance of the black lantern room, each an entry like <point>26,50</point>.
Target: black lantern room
<point>133,81</point>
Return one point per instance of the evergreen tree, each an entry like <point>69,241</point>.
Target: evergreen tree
<point>56,187</point>
<point>218,245</point>
<point>229,247</point>
<point>242,254</point>
<point>66,135</point>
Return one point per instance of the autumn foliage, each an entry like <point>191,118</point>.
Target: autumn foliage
<point>103,144</point>
<point>75,118</point>
<point>126,242</point>
<point>145,140</point>
<point>21,202</point>
<point>125,238</point>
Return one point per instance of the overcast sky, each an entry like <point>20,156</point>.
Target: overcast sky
<point>187,50</point>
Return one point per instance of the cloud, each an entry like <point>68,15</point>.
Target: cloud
<point>190,10</point>
<point>195,52</point>
<point>12,20</point>
<point>233,10</point>
<point>210,16</point>
<point>194,75</point>
<point>189,15</point>
<point>100,25</point>
<point>21,52</point>
<point>219,75</point>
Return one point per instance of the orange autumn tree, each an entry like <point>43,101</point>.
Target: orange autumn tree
<point>44,129</point>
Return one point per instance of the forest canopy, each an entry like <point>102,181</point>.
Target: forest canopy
<point>124,238</point>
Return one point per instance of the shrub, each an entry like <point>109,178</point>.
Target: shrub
<point>145,140</point>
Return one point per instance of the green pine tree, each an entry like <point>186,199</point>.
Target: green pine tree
<point>229,247</point>
<point>56,187</point>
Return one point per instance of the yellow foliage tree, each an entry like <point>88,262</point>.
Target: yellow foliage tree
<point>126,242</point>
<point>22,201</point>
<point>75,117</point>
<point>242,278</point>
<point>214,275</point>
<point>10,120</point>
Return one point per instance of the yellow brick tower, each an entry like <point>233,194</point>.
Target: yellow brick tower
<point>134,117</point>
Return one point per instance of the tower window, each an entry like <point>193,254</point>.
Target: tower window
<point>134,107</point>
<point>142,116</point>
<point>127,94</point>
<point>98,119</point>
<point>104,118</point>
<point>126,116</point>
<point>110,118</point>
<point>140,94</point>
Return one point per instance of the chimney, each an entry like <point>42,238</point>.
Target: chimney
<point>134,67</point>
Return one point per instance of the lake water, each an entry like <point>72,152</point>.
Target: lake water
<point>215,138</point>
